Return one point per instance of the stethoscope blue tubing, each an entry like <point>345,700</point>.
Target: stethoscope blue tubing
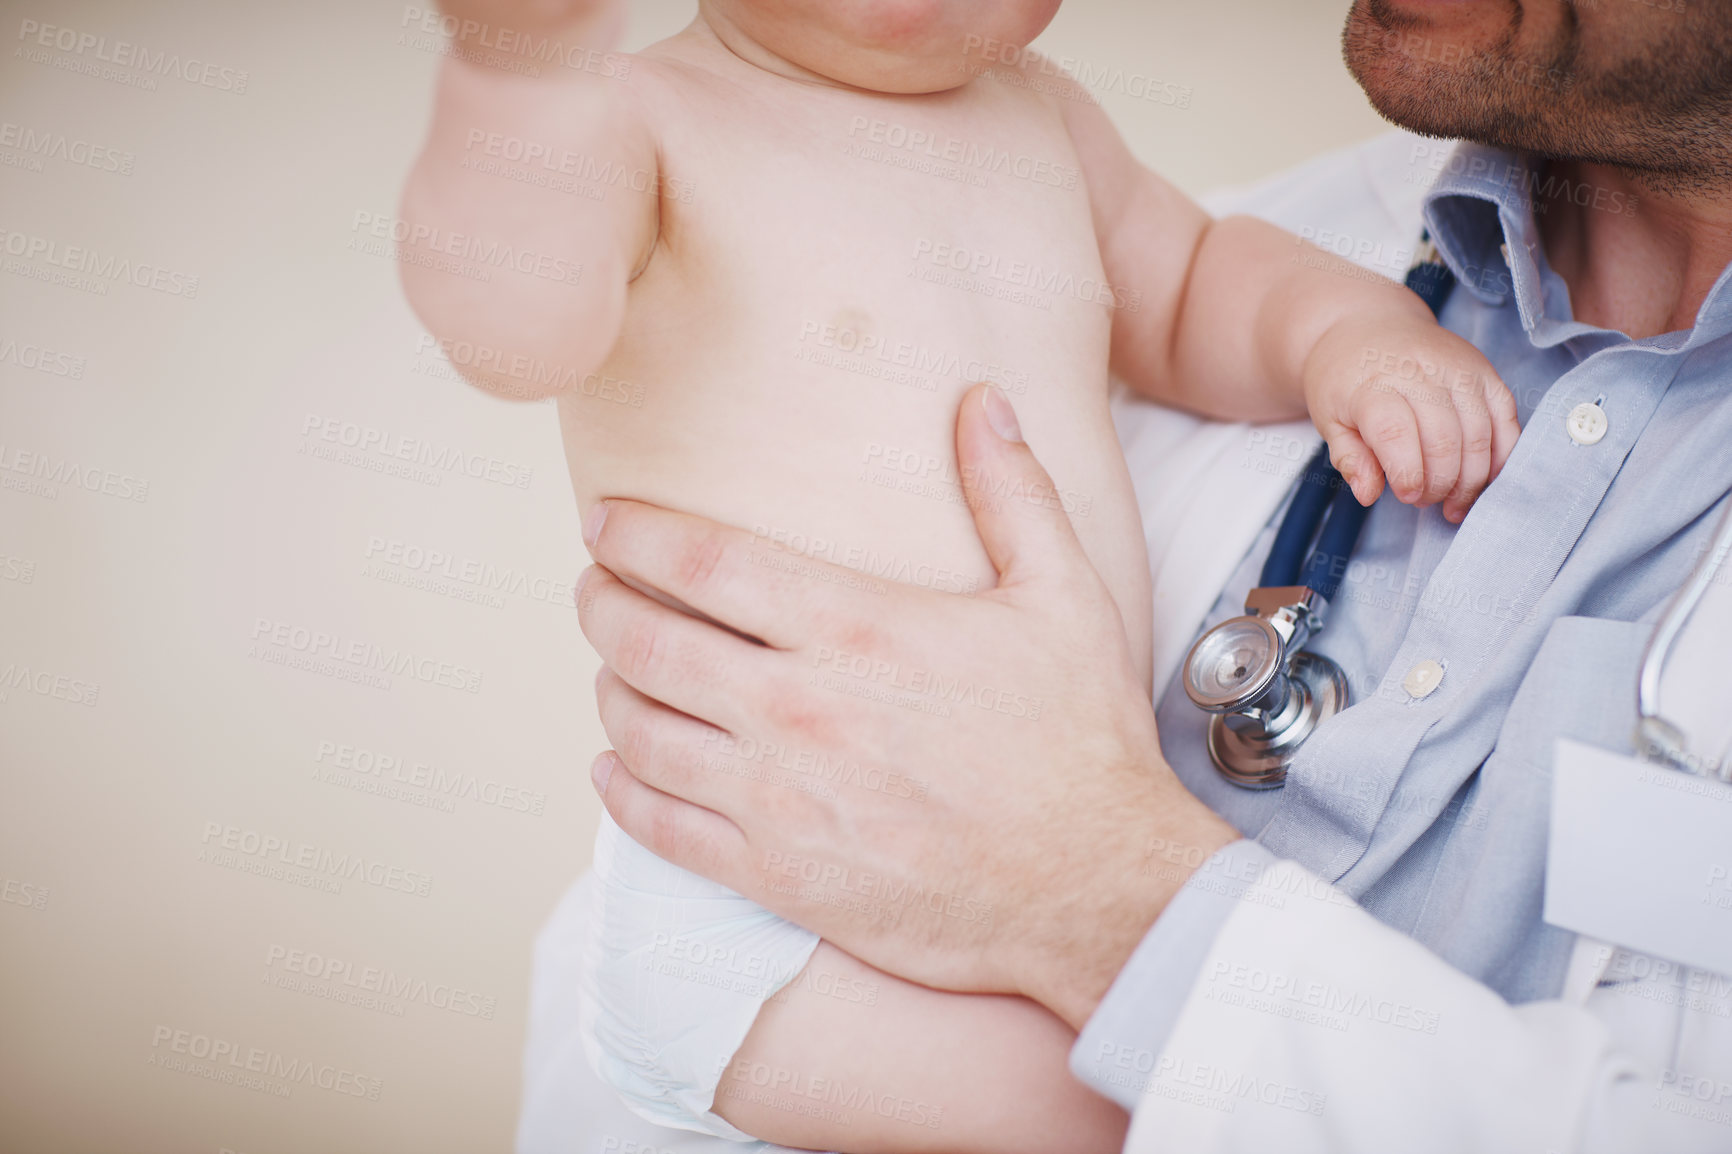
<point>1323,492</point>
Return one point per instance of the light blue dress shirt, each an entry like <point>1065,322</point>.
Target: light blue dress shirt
<point>1432,810</point>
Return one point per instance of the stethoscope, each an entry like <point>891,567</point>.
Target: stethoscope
<point>1657,739</point>
<point>1267,691</point>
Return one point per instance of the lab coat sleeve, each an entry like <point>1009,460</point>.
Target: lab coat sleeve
<point>1308,1025</point>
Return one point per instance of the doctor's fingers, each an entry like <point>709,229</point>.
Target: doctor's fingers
<point>674,753</point>
<point>765,585</point>
<point>691,665</point>
<point>675,830</point>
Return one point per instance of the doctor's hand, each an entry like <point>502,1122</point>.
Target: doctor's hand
<point>967,792</point>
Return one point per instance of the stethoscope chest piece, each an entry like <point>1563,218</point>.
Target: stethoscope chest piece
<point>1234,664</point>
<point>1254,753</point>
<point>1268,693</point>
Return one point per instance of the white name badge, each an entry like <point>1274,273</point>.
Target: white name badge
<point>1641,856</point>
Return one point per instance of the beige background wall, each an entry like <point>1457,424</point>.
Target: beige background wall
<point>161,752</point>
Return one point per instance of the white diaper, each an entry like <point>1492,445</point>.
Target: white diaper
<point>674,971</point>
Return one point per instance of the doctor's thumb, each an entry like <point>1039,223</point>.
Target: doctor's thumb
<point>1023,517</point>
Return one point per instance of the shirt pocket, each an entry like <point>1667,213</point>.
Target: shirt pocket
<point>1581,685</point>
<point>1483,912</point>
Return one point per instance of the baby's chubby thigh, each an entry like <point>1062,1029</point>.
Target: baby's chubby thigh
<point>673,972</point>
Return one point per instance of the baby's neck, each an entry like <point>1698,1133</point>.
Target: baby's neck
<point>714,27</point>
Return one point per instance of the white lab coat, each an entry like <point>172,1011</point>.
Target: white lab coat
<point>1587,1073</point>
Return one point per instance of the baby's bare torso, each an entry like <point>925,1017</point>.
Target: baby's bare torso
<point>833,269</point>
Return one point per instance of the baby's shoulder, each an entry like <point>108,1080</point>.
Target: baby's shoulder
<point>1050,81</point>
<point>676,77</point>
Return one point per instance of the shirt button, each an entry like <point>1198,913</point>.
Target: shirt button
<point>1422,679</point>
<point>1586,423</point>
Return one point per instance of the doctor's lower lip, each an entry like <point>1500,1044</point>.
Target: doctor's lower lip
<point>1406,12</point>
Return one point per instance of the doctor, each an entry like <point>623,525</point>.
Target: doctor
<point>1373,957</point>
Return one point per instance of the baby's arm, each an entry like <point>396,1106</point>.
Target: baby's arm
<point>1238,319</point>
<point>552,312</point>
<point>916,1071</point>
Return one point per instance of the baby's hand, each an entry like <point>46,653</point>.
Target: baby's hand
<point>1407,401</point>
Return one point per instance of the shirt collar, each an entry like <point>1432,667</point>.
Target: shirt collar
<point>1480,215</point>
<point>1482,220</point>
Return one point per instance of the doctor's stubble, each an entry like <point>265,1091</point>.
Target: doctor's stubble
<point>1642,85</point>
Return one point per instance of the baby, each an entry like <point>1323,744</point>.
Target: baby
<point>760,264</point>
